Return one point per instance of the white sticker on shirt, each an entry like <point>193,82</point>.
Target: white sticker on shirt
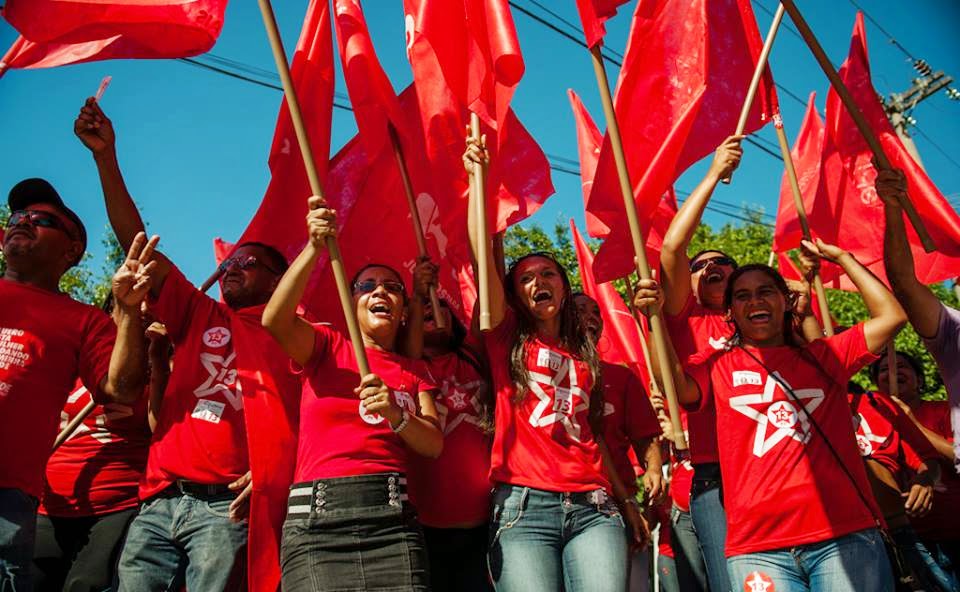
<point>563,400</point>
<point>718,344</point>
<point>547,358</point>
<point>741,377</point>
<point>216,337</point>
<point>207,410</point>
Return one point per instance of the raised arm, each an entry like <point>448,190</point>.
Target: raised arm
<point>127,375</point>
<point>96,132</point>
<point>476,153</point>
<point>280,318</point>
<point>424,276</point>
<point>922,306</point>
<point>420,432</point>
<point>673,257</point>
<point>886,315</point>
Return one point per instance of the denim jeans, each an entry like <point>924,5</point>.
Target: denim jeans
<point>179,538</point>
<point>931,574</point>
<point>18,527</point>
<point>667,571</point>
<point>544,540</point>
<point>856,562</point>
<point>710,521</point>
<point>691,572</point>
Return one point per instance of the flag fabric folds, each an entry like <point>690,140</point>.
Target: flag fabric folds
<point>58,32</point>
<point>593,16</point>
<point>679,95</point>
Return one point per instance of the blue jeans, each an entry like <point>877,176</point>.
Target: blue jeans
<point>852,563</point>
<point>931,574</point>
<point>710,521</point>
<point>180,539</point>
<point>667,568</point>
<point>18,528</point>
<point>690,570</point>
<point>543,540</point>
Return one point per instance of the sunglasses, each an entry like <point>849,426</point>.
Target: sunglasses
<point>245,263</point>
<point>367,286</point>
<point>701,263</point>
<point>39,219</point>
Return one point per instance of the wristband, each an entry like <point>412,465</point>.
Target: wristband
<point>404,421</point>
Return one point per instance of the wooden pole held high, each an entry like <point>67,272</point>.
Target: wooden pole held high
<point>883,163</point>
<point>660,337</point>
<point>438,318</point>
<point>821,294</point>
<point>758,75</point>
<point>478,184</point>
<point>214,278</point>
<point>333,249</point>
<point>74,423</point>
<point>643,342</point>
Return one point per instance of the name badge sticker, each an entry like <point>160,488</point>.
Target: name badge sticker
<point>741,377</point>
<point>207,410</point>
<point>547,358</point>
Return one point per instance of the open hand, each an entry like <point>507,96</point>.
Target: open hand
<point>131,282</point>
<point>240,507</point>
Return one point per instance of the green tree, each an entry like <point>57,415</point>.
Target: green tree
<point>520,240</point>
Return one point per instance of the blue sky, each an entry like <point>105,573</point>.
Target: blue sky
<point>193,144</point>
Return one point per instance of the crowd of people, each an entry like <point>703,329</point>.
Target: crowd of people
<point>452,459</point>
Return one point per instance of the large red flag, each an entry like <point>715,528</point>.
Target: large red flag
<point>122,28</point>
<point>25,54</point>
<point>372,96</point>
<point>620,342</point>
<point>594,15</point>
<point>679,95</point>
<point>286,196</point>
<point>850,178</point>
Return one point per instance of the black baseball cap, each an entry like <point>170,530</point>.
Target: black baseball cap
<point>34,191</point>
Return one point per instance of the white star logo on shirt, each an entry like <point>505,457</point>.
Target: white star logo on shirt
<point>561,405</point>
<point>457,395</point>
<point>865,436</point>
<point>111,412</point>
<point>782,415</point>
<point>221,380</point>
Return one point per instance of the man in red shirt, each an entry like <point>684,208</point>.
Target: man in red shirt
<point>196,491</point>
<point>47,341</point>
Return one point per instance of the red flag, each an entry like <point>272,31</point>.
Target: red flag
<point>25,54</point>
<point>593,15</point>
<point>102,29</point>
<point>279,220</point>
<point>372,96</point>
<point>851,179</point>
<point>679,95</point>
<point>620,342</point>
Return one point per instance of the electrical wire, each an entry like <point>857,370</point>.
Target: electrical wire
<point>937,146</point>
<point>877,24</point>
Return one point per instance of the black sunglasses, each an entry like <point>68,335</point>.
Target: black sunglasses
<point>245,263</point>
<point>367,286</point>
<point>39,219</point>
<point>701,263</point>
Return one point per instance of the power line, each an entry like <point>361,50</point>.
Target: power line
<point>877,24</point>
<point>569,24</point>
<point>937,146</point>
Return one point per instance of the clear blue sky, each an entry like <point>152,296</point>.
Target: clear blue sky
<point>193,144</point>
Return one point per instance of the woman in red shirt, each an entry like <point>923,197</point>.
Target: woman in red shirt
<point>800,514</point>
<point>348,519</point>
<point>554,524</point>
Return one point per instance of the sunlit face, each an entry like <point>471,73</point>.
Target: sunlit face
<point>249,278</point>
<point>908,383</point>
<point>28,243</point>
<point>539,286</point>
<point>709,282</point>
<point>588,312</point>
<point>757,309</point>
<point>378,297</point>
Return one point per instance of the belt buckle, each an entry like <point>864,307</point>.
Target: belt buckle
<point>598,497</point>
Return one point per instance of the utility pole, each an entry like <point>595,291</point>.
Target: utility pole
<point>899,106</point>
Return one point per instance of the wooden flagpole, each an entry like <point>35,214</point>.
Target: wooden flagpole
<point>802,217</point>
<point>883,163</point>
<point>415,216</point>
<point>74,423</point>
<point>214,278</point>
<point>758,75</point>
<point>333,249</point>
<point>478,185</point>
<point>643,342</point>
<point>660,337</point>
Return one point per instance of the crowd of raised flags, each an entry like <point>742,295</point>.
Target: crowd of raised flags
<point>375,407</point>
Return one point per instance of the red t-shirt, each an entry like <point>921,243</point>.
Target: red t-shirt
<point>97,470</point>
<point>47,341</point>
<point>782,486</point>
<point>628,417</point>
<point>545,440</point>
<point>696,329</point>
<point>681,482</point>
<point>943,521</point>
<point>200,434</point>
<point>454,490</point>
<point>885,434</point>
<point>338,437</point>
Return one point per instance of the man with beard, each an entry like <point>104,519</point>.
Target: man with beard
<point>47,341</point>
<point>196,491</point>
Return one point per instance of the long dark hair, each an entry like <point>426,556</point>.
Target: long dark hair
<point>790,320</point>
<point>571,338</point>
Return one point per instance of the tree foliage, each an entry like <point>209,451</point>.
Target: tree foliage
<point>748,242</point>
